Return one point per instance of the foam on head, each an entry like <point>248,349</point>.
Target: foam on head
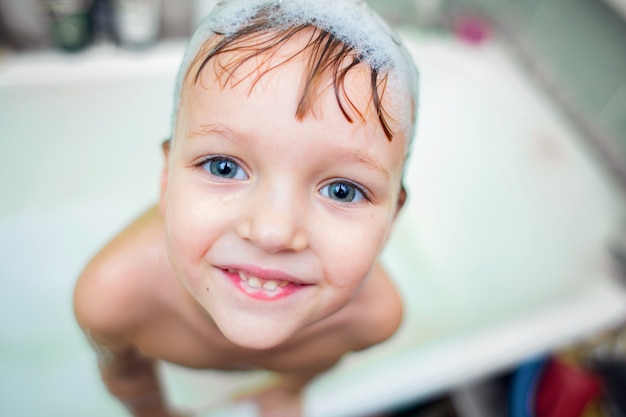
<point>350,21</point>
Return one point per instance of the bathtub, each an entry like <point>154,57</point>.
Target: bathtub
<point>500,253</point>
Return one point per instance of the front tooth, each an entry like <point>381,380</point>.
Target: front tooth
<point>254,282</point>
<point>243,276</point>
<point>270,285</point>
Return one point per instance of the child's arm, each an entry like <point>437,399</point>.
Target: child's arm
<point>111,308</point>
<point>284,397</point>
<point>128,375</point>
<point>132,379</point>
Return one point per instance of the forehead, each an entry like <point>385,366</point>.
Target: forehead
<point>275,91</point>
<point>360,93</point>
<point>259,99</point>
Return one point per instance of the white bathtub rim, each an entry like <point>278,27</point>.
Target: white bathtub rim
<point>97,63</point>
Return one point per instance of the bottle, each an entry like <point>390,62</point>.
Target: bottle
<point>70,23</point>
<point>102,22</point>
<point>137,22</point>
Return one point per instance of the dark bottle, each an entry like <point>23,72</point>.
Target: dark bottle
<point>103,21</point>
<point>70,23</point>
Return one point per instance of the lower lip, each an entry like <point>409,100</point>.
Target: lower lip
<point>260,293</point>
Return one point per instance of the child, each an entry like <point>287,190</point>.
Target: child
<point>280,187</point>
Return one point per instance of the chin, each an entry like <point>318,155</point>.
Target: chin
<point>255,340</point>
<point>254,330</point>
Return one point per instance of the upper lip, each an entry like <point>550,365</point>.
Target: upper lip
<point>264,273</point>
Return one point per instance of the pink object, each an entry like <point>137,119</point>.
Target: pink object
<point>471,29</point>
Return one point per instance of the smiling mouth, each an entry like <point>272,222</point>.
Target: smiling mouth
<point>262,288</point>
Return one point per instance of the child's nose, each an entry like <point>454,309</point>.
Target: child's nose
<point>275,222</point>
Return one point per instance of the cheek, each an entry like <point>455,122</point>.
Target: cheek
<point>352,251</point>
<point>193,222</point>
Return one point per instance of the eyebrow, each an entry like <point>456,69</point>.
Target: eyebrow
<point>212,129</point>
<point>364,158</point>
<point>345,155</point>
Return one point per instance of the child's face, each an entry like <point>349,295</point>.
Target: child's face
<point>255,198</point>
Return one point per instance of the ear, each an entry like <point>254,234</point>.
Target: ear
<point>402,196</point>
<point>165,146</point>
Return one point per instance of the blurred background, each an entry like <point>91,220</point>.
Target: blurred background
<point>510,254</point>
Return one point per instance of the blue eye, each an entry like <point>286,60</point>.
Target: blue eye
<point>225,168</point>
<point>342,191</point>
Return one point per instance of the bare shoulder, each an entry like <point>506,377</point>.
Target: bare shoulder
<point>114,294</point>
<point>377,311</point>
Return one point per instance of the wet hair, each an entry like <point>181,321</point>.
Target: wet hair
<point>327,57</point>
